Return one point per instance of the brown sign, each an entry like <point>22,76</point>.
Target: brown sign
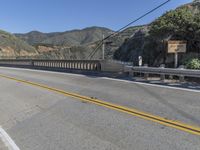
<point>177,46</point>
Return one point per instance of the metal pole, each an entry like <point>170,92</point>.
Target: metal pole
<point>103,49</point>
<point>175,60</point>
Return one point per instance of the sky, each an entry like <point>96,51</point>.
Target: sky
<point>21,16</point>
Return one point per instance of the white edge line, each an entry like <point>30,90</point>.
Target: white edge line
<point>154,85</point>
<point>45,71</point>
<point>107,78</point>
<point>7,140</point>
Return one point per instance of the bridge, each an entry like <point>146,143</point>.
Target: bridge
<point>41,109</point>
<point>98,66</point>
<point>64,65</point>
<point>94,65</point>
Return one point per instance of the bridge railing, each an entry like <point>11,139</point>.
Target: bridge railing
<point>93,65</point>
<point>180,72</point>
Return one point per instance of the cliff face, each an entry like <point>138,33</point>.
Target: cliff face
<point>132,47</point>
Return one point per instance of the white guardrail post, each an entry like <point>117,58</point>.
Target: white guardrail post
<point>162,75</point>
<point>181,77</point>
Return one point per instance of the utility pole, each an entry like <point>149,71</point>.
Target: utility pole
<point>176,60</point>
<point>103,49</point>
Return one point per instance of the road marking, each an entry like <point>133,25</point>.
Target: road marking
<point>7,140</point>
<point>44,71</point>
<point>134,112</point>
<point>154,85</point>
<point>107,78</point>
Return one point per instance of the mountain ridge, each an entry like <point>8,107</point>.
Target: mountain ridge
<point>73,44</point>
<point>72,37</point>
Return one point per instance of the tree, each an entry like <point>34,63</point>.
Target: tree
<point>174,23</point>
<point>193,63</point>
<point>196,1</point>
<point>180,24</point>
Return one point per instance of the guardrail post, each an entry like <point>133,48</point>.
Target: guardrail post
<point>181,77</point>
<point>162,76</point>
<point>146,75</point>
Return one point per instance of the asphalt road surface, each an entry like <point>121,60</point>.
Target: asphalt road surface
<point>35,118</point>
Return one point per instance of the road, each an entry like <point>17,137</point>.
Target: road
<point>37,118</point>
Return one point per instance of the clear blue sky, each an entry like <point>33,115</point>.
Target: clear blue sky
<point>19,16</point>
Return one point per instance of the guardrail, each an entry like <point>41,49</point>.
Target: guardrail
<point>93,65</point>
<point>180,72</point>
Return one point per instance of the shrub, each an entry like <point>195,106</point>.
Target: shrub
<point>193,63</point>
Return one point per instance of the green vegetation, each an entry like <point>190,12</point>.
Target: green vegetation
<point>193,63</point>
<point>181,24</point>
<point>172,23</point>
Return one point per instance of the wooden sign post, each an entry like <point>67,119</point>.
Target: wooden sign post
<point>177,47</point>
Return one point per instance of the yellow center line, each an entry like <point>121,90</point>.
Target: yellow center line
<point>170,123</point>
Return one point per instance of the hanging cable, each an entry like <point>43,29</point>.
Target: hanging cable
<point>124,27</point>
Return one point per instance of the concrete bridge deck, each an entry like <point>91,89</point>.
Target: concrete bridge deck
<point>40,118</point>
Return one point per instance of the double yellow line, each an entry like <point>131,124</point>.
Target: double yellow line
<point>131,111</point>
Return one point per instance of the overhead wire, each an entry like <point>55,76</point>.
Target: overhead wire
<point>124,27</point>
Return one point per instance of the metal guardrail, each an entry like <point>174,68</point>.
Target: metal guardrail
<point>181,72</point>
<point>120,62</point>
<point>93,65</point>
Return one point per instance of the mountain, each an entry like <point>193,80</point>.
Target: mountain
<point>34,37</point>
<point>75,44</point>
<point>182,23</point>
<point>13,47</point>
<point>69,38</point>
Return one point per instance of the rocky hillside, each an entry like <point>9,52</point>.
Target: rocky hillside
<point>132,47</point>
<point>115,43</point>
<point>182,23</point>
<point>13,47</point>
